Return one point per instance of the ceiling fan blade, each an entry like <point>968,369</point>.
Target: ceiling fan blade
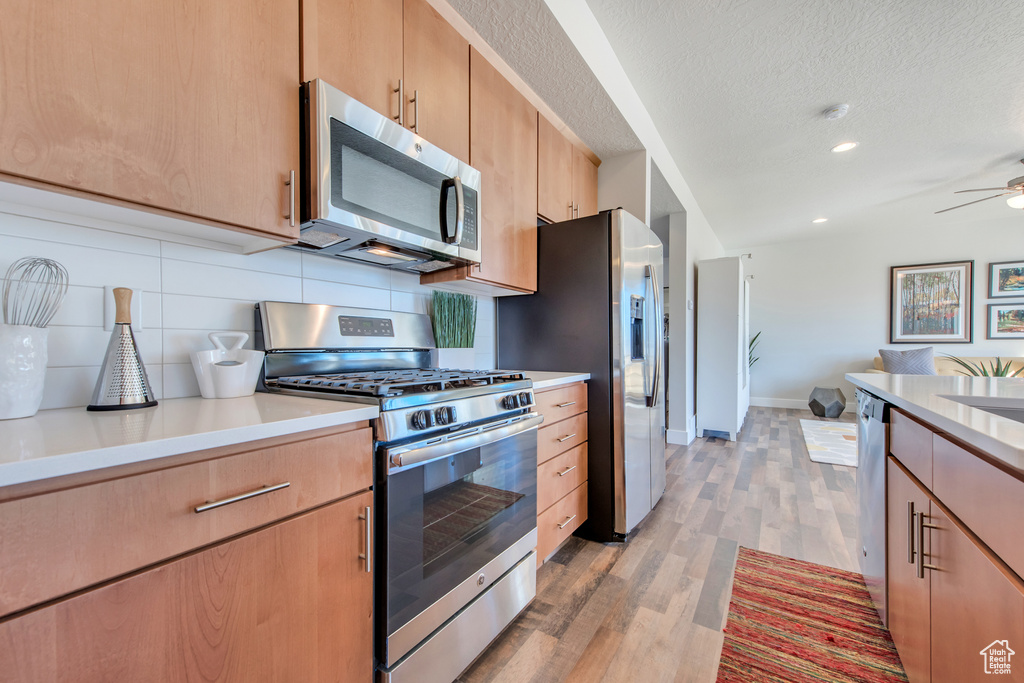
<point>976,201</point>
<point>984,189</point>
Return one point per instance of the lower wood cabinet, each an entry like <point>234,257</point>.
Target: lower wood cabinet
<point>291,602</point>
<point>950,597</point>
<point>562,466</point>
<point>273,587</point>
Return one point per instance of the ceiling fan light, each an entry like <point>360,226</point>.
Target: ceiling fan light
<point>1016,201</point>
<point>819,220</point>
<point>844,146</point>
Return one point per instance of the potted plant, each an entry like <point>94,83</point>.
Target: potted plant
<point>453,318</point>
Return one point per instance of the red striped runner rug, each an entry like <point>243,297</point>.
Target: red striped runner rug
<point>796,622</point>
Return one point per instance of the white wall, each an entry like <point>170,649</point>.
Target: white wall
<point>625,181</point>
<point>822,305</point>
<point>688,244</point>
<point>188,292</point>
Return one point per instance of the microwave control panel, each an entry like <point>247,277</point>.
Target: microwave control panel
<point>353,326</point>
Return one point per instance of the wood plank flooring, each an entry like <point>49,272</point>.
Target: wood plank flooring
<point>653,609</point>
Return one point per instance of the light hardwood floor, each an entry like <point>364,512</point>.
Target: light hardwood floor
<point>653,609</point>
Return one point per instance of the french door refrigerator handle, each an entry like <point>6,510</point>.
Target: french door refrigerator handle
<point>652,398</point>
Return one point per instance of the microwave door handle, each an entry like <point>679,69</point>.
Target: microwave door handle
<point>460,210</point>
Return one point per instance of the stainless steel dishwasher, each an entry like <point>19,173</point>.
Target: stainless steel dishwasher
<point>872,448</point>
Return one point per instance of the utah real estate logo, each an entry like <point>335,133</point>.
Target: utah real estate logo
<point>997,657</point>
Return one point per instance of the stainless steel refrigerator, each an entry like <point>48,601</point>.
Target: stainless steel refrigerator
<point>598,309</point>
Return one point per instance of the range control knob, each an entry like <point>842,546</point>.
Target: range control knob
<point>525,398</point>
<point>510,402</point>
<point>445,415</point>
<point>422,419</point>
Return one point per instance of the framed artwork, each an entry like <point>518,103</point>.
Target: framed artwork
<point>1005,321</point>
<point>931,303</point>
<point>1006,279</point>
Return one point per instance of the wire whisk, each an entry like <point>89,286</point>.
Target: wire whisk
<point>34,289</point>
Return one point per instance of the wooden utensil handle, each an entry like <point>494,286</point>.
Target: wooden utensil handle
<point>123,305</point>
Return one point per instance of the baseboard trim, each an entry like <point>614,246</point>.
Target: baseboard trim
<point>770,402</point>
<point>679,437</point>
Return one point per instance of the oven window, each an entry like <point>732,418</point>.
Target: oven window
<point>448,518</point>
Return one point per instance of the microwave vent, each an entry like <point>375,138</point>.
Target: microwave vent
<point>318,239</point>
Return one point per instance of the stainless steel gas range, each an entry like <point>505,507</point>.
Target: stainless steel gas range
<point>455,478</point>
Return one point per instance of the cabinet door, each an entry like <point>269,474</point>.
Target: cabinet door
<point>909,615</point>
<point>292,602</point>
<point>504,149</point>
<point>974,604</point>
<point>584,184</point>
<point>190,107</point>
<point>437,68</point>
<point>554,173</point>
<point>356,46</point>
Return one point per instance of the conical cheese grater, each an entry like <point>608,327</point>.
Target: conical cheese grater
<point>122,383</point>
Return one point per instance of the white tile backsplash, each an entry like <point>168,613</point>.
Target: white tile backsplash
<point>189,292</point>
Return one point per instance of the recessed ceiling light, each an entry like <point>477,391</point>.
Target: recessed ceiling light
<point>819,220</point>
<point>844,146</point>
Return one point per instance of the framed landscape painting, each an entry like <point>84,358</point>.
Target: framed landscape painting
<point>931,302</point>
<point>1005,321</point>
<point>1006,279</point>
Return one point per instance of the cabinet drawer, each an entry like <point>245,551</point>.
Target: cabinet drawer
<point>55,543</point>
<point>557,523</point>
<point>560,437</point>
<point>560,475</point>
<point>558,404</point>
<point>911,443</point>
<point>986,499</point>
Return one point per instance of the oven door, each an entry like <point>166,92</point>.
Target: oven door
<point>371,178</point>
<point>457,515</point>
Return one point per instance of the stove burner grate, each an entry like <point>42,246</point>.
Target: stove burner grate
<point>389,383</point>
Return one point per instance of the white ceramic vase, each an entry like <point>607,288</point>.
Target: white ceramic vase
<point>22,370</point>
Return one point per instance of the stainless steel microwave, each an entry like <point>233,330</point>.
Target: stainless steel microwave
<point>377,192</point>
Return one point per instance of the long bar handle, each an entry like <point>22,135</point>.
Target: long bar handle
<point>566,522</point>
<point>401,103</point>
<point>565,405</point>
<point>566,438</point>
<point>210,505</point>
<point>415,111</point>
<point>290,184</point>
<point>911,518</point>
<point>659,342</point>
<point>369,539</point>
<point>921,526</point>
<point>567,471</point>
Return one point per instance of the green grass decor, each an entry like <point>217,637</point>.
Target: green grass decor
<point>453,317</point>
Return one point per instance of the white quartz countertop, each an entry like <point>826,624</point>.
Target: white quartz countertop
<point>924,397</point>
<point>54,443</point>
<point>549,380</point>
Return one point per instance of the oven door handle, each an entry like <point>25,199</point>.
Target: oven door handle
<point>400,458</point>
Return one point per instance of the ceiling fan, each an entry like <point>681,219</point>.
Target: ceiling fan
<point>1014,186</point>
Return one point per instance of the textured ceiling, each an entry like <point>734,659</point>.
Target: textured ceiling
<point>526,35</point>
<point>736,89</point>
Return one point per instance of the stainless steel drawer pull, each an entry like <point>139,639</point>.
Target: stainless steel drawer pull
<point>566,438</point>
<point>242,496</point>
<point>921,526</point>
<point>566,522</point>
<point>369,538</point>
<point>565,405</point>
<point>567,471</point>
<point>401,103</point>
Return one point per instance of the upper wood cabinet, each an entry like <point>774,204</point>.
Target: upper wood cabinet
<point>566,177</point>
<point>503,147</point>
<point>399,57</point>
<point>187,107</point>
